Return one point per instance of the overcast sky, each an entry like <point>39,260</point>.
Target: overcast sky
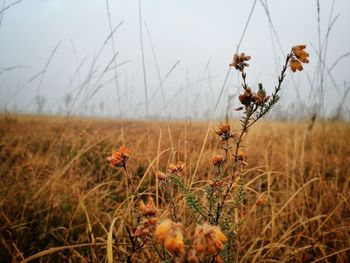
<point>192,41</point>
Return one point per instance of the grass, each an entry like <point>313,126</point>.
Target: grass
<point>60,201</point>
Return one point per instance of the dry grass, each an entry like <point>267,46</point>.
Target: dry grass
<point>61,202</point>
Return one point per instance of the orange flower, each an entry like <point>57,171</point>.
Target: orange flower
<point>208,238</point>
<point>149,209</point>
<point>120,157</point>
<point>246,97</point>
<point>295,65</point>
<point>146,227</point>
<point>176,168</point>
<point>239,61</point>
<point>161,176</point>
<point>148,223</point>
<point>300,53</point>
<point>241,157</point>
<point>224,131</point>
<point>260,201</point>
<point>299,56</point>
<point>217,160</point>
<point>169,234</point>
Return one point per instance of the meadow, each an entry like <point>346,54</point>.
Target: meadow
<point>60,201</point>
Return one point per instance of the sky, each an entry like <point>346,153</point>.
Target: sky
<point>58,56</point>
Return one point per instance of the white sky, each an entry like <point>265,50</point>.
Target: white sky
<point>201,34</point>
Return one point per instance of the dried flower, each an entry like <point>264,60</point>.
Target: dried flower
<point>217,160</point>
<point>260,98</point>
<point>120,157</point>
<point>295,65</point>
<point>161,176</point>
<point>224,131</point>
<point>208,238</point>
<point>261,200</point>
<point>246,97</point>
<point>148,223</point>
<point>146,227</point>
<point>299,56</point>
<point>239,61</point>
<point>170,235</point>
<point>149,209</point>
<point>241,157</point>
<point>177,168</point>
<point>300,53</point>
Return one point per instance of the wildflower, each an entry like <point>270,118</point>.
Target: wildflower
<point>224,131</point>
<point>217,160</point>
<point>260,201</point>
<point>169,234</point>
<point>120,157</point>
<point>239,61</point>
<point>299,56</point>
<point>149,209</point>
<point>208,238</point>
<point>241,157</point>
<point>176,168</point>
<point>147,226</point>
<point>295,65</point>
<point>148,223</point>
<point>246,97</point>
<point>161,176</point>
<point>300,53</point>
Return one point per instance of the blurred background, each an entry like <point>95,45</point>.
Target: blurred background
<point>169,59</point>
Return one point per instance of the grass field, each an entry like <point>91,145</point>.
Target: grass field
<point>61,201</point>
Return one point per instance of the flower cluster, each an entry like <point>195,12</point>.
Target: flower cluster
<point>162,177</point>
<point>149,221</point>
<point>259,98</point>
<point>120,157</point>
<point>217,160</point>
<point>239,61</point>
<point>299,56</point>
<point>241,157</point>
<point>177,168</point>
<point>148,210</point>
<point>224,131</point>
<point>208,238</point>
<point>169,234</point>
